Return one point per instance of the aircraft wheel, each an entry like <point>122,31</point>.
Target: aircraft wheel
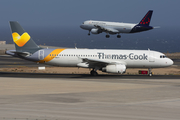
<point>107,36</point>
<point>118,36</point>
<point>93,73</point>
<point>89,33</point>
<point>150,74</point>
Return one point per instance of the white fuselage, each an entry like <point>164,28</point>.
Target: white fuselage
<point>130,58</point>
<point>121,27</point>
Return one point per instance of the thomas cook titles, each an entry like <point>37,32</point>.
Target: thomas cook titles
<point>131,56</point>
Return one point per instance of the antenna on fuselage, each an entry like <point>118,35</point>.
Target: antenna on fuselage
<point>75,45</point>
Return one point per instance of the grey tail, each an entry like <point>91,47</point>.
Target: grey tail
<point>23,41</point>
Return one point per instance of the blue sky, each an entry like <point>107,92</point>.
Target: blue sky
<point>56,22</point>
<point>71,13</point>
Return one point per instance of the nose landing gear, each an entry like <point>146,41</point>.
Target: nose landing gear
<point>107,36</point>
<point>89,32</point>
<point>149,71</point>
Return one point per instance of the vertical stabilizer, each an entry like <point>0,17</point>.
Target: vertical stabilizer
<point>23,41</point>
<point>146,19</point>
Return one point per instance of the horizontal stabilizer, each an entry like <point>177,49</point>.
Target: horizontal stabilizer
<point>157,27</point>
<point>15,53</point>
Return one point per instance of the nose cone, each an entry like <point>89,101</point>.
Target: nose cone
<point>169,62</point>
<point>82,26</point>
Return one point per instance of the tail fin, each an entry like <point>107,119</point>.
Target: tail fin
<point>147,18</point>
<point>23,41</point>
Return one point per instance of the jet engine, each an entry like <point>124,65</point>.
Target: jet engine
<point>119,68</point>
<point>95,31</point>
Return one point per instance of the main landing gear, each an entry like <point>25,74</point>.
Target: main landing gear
<point>118,36</point>
<point>107,36</point>
<point>93,73</point>
<point>149,71</point>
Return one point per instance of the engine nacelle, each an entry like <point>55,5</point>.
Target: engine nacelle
<point>95,31</point>
<point>120,68</point>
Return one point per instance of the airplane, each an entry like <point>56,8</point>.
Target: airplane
<point>96,27</point>
<point>110,61</point>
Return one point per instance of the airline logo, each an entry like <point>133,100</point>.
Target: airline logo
<point>20,40</point>
<point>146,19</point>
<point>131,56</point>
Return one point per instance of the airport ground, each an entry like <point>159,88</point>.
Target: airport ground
<point>27,93</point>
<point>35,96</point>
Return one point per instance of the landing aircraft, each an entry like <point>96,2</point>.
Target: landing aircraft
<point>111,61</point>
<point>96,27</point>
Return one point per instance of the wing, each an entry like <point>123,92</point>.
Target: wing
<point>94,63</point>
<point>107,29</point>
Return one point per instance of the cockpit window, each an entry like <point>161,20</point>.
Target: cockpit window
<point>163,56</point>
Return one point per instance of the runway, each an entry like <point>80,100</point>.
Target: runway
<point>59,98</point>
<point>84,76</point>
<point>49,96</point>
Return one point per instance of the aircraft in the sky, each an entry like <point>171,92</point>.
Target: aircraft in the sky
<point>96,27</point>
<point>111,61</point>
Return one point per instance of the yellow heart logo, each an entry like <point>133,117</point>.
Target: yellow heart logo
<point>21,40</point>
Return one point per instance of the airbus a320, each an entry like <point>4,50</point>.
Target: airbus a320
<point>97,27</point>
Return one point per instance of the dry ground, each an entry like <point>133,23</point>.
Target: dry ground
<point>173,70</point>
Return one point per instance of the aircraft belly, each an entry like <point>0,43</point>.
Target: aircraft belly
<point>64,62</point>
<point>143,64</point>
<point>123,29</point>
<point>87,27</point>
<point>138,64</point>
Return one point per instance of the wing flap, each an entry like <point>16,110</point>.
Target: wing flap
<point>107,29</point>
<point>92,63</point>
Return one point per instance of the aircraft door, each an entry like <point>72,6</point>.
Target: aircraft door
<point>151,57</point>
<point>41,54</point>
